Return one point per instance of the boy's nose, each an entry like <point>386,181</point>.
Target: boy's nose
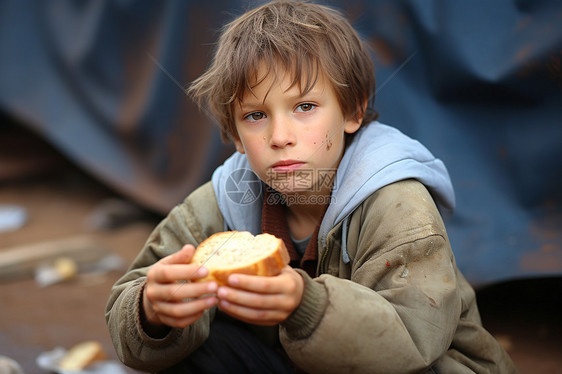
<point>282,134</point>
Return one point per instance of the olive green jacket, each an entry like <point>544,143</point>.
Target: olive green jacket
<point>400,305</point>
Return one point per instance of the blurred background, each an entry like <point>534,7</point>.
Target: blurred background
<point>98,141</point>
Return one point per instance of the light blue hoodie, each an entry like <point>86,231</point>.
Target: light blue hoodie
<point>378,155</point>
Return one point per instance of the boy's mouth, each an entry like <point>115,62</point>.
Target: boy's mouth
<point>286,166</point>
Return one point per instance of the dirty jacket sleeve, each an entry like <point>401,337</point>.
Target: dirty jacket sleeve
<point>395,307</point>
<point>188,223</point>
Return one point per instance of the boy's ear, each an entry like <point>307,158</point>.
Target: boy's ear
<point>353,124</point>
<point>238,144</point>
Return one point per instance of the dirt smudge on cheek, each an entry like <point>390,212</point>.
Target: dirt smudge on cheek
<point>328,142</point>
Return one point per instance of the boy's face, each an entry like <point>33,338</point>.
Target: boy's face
<point>293,142</point>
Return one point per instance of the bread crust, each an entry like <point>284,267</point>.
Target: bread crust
<point>275,258</point>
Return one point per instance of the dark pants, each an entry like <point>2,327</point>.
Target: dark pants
<point>231,348</point>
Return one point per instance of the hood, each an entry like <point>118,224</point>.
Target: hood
<point>378,155</point>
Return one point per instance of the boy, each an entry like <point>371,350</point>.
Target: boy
<point>373,286</point>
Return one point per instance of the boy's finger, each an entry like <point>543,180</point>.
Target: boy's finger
<point>183,256</point>
<point>250,315</point>
<point>169,273</point>
<point>185,313</point>
<point>181,291</point>
<point>256,283</point>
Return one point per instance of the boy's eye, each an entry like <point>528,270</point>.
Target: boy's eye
<point>256,116</point>
<point>306,107</point>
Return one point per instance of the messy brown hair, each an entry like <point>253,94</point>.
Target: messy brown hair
<point>300,37</point>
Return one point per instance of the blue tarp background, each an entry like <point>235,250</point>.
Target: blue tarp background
<point>478,82</point>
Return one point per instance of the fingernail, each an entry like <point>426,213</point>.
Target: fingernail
<point>233,280</point>
<point>212,287</point>
<point>201,272</point>
<point>222,292</point>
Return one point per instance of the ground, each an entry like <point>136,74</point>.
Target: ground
<point>524,315</point>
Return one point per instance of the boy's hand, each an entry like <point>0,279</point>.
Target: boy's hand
<point>165,299</point>
<point>262,300</point>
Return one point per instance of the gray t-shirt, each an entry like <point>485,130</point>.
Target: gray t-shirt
<point>300,245</point>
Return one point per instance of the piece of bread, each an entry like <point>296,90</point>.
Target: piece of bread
<point>81,355</point>
<point>230,252</point>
